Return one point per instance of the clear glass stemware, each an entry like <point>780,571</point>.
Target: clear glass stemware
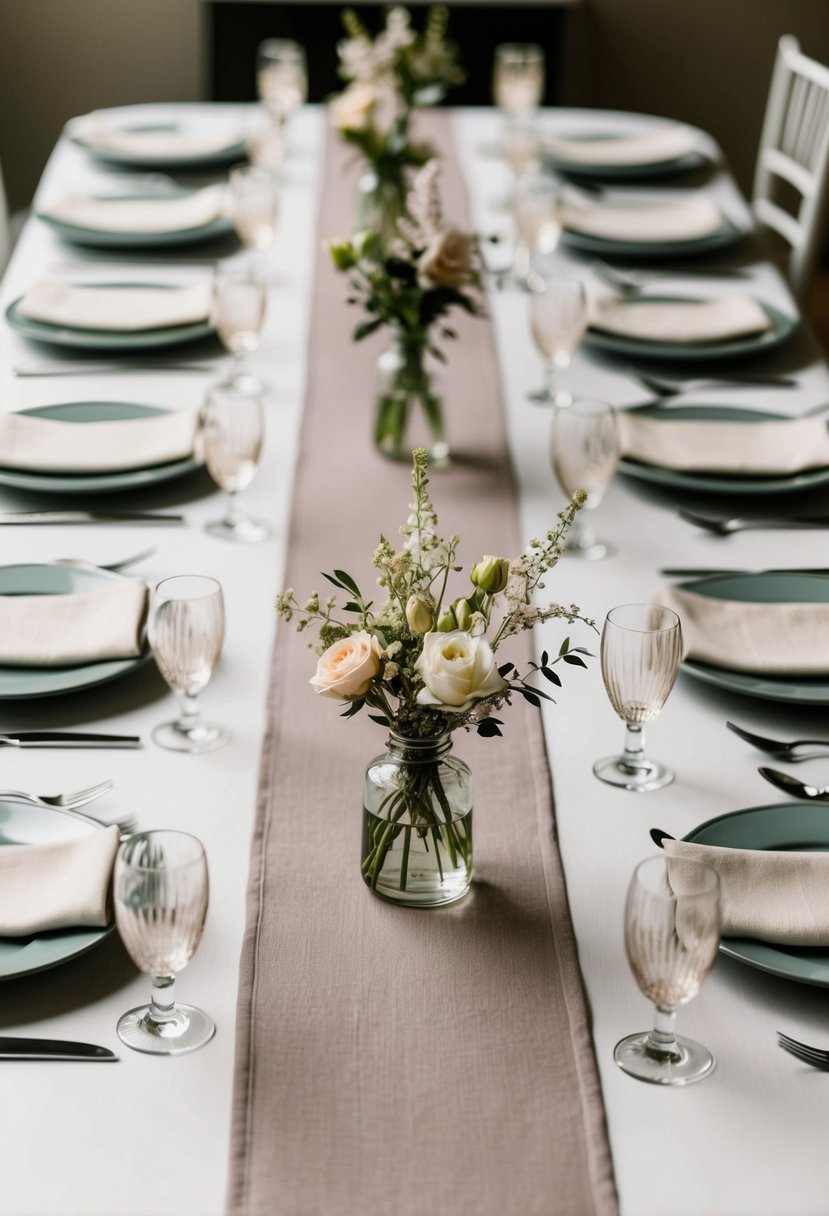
<point>641,649</point>
<point>160,892</point>
<point>518,79</point>
<point>281,77</point>
<point>233,430</point>
<point>536,206</point>
<point>254,197</point>
<point>558,321</point>
<point>239,303</point>
<point>672,931</point>
<point>186,631</point>
<point>584,453</point>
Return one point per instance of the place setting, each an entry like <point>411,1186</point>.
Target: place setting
<point>185,145</point>
<point>662,149</point>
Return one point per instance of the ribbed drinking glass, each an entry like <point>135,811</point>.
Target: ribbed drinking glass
<point>584,453</point>
<point>233,430</point>
<point>558,320</point>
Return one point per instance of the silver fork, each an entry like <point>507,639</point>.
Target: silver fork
<point>780,749</point>
<point>666,387</point>
<point>801,1051</point>
<point>58,801</point>
<point>724,525</point>
<point>123,564</point>
<point>634,281</point>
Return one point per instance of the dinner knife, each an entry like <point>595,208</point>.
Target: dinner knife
<point>86,369</point>
<point>702,572</point>
<point>52,1049</point>
<point>89,517</point>
<point>65,738</point>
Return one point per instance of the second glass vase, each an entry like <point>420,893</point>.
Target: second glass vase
<point>409,404</point>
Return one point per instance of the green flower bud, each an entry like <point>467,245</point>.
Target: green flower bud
<point>363,243</point>
<point>491,574</point>
<point>463,614</point>
<point>342,254</point>
<point>420,613</point>
<point>447,621</point>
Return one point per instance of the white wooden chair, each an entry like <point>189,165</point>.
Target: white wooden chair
<point>794,147</point>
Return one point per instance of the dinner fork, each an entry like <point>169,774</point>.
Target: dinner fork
<point>723,525</point>
<point>665,387</point>
<point>122,564</point>
<point>779,748</point>
<point>801,1051</point>
<point>59,801</point>
<point>634,281</point>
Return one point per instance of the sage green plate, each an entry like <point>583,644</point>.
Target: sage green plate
<point>728,234</point>
<point>782,328</point>
<point>95,483</point>
<point>718,483</point>
<point>20,682</point>
<point>636,172</point>
<point>791,826</point>
<point>222,156</point>
<point>19,826</point>
<point>764,589</point>
<point>99,238</point>
<point>107,339</point>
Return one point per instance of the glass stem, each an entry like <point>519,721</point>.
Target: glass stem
<point>634,751</point>
<point>233,512</point>
<point>162,999</point>
<point>662,1039</point>
<point>189,716</point>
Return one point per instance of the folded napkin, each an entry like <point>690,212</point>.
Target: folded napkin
<point>57,886</point>
<point>81,627</point>
<point>668,142</point>
<point>778,447</point>
<point>730,316</point>
<point>771,639</point>
<point>120,309</point>
<point>146,216</point>
<point>774,896</point>
<point>159,143</point>
<point>687,220</point>
<point>49,445</point>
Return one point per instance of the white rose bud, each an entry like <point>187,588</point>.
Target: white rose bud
<point>491,574</point>
<point>448,260</point>
<point>346,669</point>
<point>463,614</point>
<point>352,110</point>
<point>457,670</point>
<point>420,613</point>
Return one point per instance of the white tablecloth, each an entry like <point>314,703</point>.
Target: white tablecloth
<point>151,1135</point>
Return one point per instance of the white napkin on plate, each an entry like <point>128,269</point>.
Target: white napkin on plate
<point>79,627</point>
<point>730,316</point>
<point>57,886</point>
<point>174,143</point>
<point>119,309</point>
<point>668,142</point>
<point>769,639</point>
<point>778,447</point>
<point>689,219</point>
<point>149,215</point>
<point>48,445</point>
<point>774,896</point>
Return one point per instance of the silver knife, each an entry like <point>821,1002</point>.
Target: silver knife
<point>702,572</point>
<point>52,1049</point>
<point>88,369</point>
<point>65,738</point>
<point>88,517</point>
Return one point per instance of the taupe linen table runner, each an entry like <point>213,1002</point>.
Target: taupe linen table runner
<point>391,1060</point>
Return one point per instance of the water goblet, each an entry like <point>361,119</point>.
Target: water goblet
<point>641,649</point>
<point>160,893</point>
<point>253,197</point>
<point>239,303</point>
<point>281,77</point>
<point>233,429</point>
<point>536,208</point>
<point>518,79</point>
<point>558,321</point>
<point>584,453</point>
<point>672,930</point>
<point>186,631</point>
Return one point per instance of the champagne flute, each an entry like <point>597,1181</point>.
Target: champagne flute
<point>160,892</point>
<point>536,208</point>
<point>518,79</point>
<point>233,428</point>
<point>558,321</point>
<point>584,453</point>
<point>186,630</point>
<point>672,930</point>
<point>641,649</point>
<point>239,303</point>
<point>281,77</point>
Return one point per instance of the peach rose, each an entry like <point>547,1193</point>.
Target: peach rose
<point>448,260</point>
<point>346,669</point>
<point>353,109</point>
<point>457,670</point>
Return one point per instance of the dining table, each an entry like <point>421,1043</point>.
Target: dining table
<point>154,1134</point>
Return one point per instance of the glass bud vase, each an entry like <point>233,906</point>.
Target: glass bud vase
<point>417,823</point>
<point>381,201</point>
<point>409,403</point>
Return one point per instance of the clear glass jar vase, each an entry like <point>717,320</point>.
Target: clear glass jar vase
<point>409,402</point>
<point>417,823</point>
<point>381,201</point>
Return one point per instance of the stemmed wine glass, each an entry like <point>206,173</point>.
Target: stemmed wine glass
<point>558,321</point>
<point>518,79</point>
<point>672,930</point>
<point>160,892</point>
<point>584,453</point>
<point>281,77</point>
<point>253,200</point>
<point>536,208</point>
<point>233,430</point>
<point>239,303</point>
<point>186,631</point>
<point>641,649</point>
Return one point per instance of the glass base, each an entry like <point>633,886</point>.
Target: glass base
<point>187,1029</point>
<point>591,550</point>
<point>244,531</point>
<point>641,777</point>
<point>203,737</point>
<point>688,1063</point>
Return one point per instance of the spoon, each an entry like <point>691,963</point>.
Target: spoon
<point>723,525</point>
<point>781,749</point>
<point>113,566</point>
<point>791,785</point>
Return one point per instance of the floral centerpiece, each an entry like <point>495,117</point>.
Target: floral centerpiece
<point>424,666</point>
<point>431,268</point>
<point>387,77</point>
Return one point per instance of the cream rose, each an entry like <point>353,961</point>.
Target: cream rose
<point>346,669</point>
<point>457,670</point>
<point>352,110</point>
<point>448,260</point>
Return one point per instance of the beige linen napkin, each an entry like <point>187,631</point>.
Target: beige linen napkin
<point>690,219</point>
<point>774,896</point>
<point>147,215</point>
<point>81,627</point>
<point>770,639</point>
<point>120,309</point>
<point>778,447</point>
<point>666,142</point>
<point>57,886</point>
<point>730,316</point>
<point>49,445</point>
<point>160,144</point>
